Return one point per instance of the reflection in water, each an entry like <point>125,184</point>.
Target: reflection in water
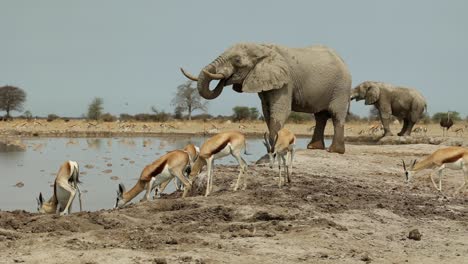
<point>102,166</point>
<point>94,143</point>
<point>71,142</point>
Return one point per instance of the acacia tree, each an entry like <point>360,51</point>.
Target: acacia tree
<point>95,109</point>
<point>11,99</point>
<point>187,99</point>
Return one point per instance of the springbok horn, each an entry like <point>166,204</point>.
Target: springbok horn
<point>214,76</point>
<point>414,163</point>
<point>404,165</point>
<point>267,142</point>
<point>188,75</point>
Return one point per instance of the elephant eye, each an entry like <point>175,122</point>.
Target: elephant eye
<point>237,61</point>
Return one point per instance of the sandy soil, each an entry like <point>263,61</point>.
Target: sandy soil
<point>83,128</point>
<point>351,208</point>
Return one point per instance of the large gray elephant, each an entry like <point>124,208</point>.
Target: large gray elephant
<point>406,104</point>
<point>310,80</point>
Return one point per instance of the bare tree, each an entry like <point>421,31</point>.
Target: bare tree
<point>11,99</point>
<point>187,99</point>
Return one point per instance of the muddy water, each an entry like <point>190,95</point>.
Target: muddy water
<point>104,162</point>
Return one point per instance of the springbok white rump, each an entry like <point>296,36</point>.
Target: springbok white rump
<point>65,188</point>
<point>455,158</point>
<point>176,163</point>
<point>283,145</point>
<point>216,147</point>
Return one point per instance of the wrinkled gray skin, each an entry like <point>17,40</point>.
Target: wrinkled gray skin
<point>310,80</point>
<point>406,104</point>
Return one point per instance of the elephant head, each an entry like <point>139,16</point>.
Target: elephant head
<point>370,91</point>
<point>249,67</point>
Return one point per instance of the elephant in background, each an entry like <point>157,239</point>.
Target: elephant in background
<point>311,80</point>
<point>406,104</point>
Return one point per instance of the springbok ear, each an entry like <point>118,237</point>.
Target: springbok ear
<point>276,139</point>
<point>41,199</point>
<point>271,72</point>
<point>266,141</point>
<point>121,188</point>
<point>372,95</point>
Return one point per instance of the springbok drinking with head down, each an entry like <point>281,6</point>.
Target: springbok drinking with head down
<point>216,147</point>
<point>193,152</point>
<point>282,146</point>
<point>176,163</point>
<point>65,188</point>
<point>455,158</point>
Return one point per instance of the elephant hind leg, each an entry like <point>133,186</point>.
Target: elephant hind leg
<point>337,145</point>
<point>409,128</point>
<point>317,141</point>
<point>404,128</point>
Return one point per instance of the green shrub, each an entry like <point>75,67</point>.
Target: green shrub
<point>52,117</point>
<point>107,117</point>
<point>297,117</point>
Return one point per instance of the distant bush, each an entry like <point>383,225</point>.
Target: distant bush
<point>426,119</point>
<point>202,117</point>
<point>107,117</point>
<point>125,117</point>
<point>244,113</point>
<point>159,117</point>
<point>297,117</point>
<point>27,115</point>
<point>95,109</point>
<point>351,117</point>
<point>52,117</point>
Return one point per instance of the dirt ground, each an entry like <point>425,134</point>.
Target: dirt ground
<point>351,208</point>
<point>84,128</point>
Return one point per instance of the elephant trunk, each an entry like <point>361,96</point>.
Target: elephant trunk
<point>204,79</point>
<point>354,95</point>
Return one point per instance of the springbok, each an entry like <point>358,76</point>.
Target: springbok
<point>193,151</point>
<point>176,163</point>
<point>420,130</point>
<point>455,158</point>
<point>216,147</point>
<point>283,145</point>
<point>65,188</point>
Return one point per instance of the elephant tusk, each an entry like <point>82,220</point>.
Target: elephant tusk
<point>214,76</point>
<point>188,75</point>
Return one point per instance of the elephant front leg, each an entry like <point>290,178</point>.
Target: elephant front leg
<point>337,145</point>
<point>317,141</point>
<point>279,103</point>
<point>386,118</point>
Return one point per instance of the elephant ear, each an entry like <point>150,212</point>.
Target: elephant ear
<point>270,73</point>
<point>372,95</point>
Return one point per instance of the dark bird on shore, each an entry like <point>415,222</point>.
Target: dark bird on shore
<point>446,123</point>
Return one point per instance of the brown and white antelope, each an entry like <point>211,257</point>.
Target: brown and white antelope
<point>176,163</point>
<point>216,147</point>
<point>194,151</point>
<point>455,158</point>
<point>65,188</point>
<point>282,146</point>
<point>420,130</point>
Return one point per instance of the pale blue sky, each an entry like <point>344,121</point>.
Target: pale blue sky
<point>64,53</point>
